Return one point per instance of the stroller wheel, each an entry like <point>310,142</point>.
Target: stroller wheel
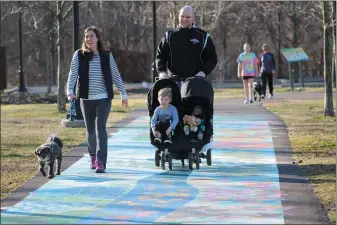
<point>190,161</point>
<point>163,160</point>
<point>197,160</point>
<point>157,158</point>
<point>169,159</point>
<point>209,157</point>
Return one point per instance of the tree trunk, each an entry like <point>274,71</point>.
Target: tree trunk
<point>50,62</point>
<point>296,24</point>
<point>327,37</point>
<point>48,70</point>
<point>333,18</point>
<point>53,53</point>
<point>224,44</point>
<point>61,97</point>
<point>279,75</point>
<point>53,50</point>
<point>321,68</point>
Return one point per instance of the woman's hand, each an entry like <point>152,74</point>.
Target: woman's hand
<point>125,103</point>
<point>71,97</point>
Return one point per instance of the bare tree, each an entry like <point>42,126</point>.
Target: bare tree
<point>61,14</point>
<point>327,34</point>
<point>333,19</point>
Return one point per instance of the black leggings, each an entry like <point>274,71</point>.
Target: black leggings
<point>264,77</point>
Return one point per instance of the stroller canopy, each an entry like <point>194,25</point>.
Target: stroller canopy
<point>197,87</point>
<point>152,96</point>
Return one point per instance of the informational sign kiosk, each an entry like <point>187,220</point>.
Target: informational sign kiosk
<point>293,55</point>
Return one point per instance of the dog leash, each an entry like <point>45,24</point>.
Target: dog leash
<point>72,115</point>
<point>72,111</point>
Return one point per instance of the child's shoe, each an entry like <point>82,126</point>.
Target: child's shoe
<point>168,140</point>
<point>157,140</point>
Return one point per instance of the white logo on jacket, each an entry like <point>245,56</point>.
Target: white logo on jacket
<point>194,41</point>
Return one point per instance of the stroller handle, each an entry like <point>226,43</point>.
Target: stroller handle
<point>183,79</point>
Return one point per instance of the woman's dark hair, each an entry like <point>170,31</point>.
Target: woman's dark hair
<point>98,33</point>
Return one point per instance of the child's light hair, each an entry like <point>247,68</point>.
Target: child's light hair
<point>165,92</point>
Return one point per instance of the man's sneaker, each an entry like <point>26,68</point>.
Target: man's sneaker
<point>99,167</point>
<point>271,96</point>
<point>168,140</point>
<point>262,96</point>
<point>246,101</point>
<point>93,162</point>
<point>157,140</point>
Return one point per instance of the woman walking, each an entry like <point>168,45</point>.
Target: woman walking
<point>95,70</point>
<point>247,70</point>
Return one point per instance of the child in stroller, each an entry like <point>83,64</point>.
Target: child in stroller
<point>165,118</point>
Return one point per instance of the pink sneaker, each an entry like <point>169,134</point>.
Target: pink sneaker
<point>99,167</point>
<point>93,162</point>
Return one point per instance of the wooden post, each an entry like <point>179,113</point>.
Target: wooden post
<point>3,69</point>
<point>301,76</point>
<point>291,77</point>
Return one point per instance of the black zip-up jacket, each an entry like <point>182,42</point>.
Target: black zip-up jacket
<point>185,52</point>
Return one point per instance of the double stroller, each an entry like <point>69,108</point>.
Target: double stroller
<point>194,91</point>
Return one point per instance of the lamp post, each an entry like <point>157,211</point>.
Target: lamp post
<point>3,74</point>
<point>76,45</point>
<point>22,86</point>
<point>0,20</point>
<point>154,33</point>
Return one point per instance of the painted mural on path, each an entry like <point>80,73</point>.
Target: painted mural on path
<point>241,186</point>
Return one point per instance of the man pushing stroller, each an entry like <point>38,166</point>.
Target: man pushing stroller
<point>198,56</point>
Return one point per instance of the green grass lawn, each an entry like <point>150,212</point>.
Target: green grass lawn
<point>313,140</point>
<point>227,93</point>
<point>24,127</point>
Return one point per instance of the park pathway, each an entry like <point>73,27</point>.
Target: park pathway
<point>241,187</point>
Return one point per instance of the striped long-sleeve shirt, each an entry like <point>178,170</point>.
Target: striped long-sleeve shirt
<point>97,88</point>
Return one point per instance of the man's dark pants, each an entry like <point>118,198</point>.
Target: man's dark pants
<point>267,76</point>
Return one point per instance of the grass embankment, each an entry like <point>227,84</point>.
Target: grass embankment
<point>313,140</point>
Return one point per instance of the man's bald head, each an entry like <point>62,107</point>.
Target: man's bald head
<point>186,17</point>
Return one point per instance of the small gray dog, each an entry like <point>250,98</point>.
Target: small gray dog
<point>47,153</point>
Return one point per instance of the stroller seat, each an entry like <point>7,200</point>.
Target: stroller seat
<point>194,91</point>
